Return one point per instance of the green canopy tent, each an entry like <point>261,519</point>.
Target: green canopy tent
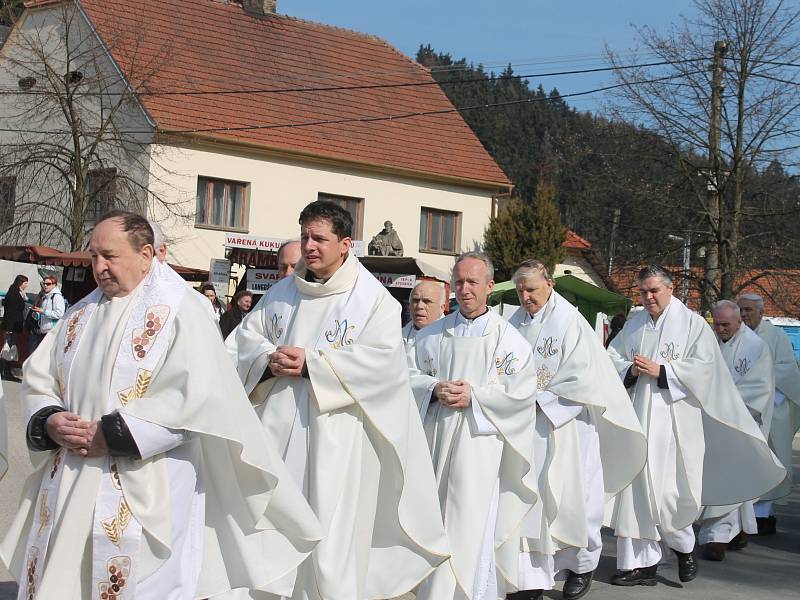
<point>589,298</point>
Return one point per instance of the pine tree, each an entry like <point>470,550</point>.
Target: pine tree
<point>525,229</point>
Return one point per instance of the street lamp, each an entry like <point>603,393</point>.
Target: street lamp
<point>687,256</point>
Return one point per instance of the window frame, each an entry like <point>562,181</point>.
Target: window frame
<point>358,222</point>
<point>209,182</point>
<point>108,177</point>
<point>424,213</point>
<point>7,212</point>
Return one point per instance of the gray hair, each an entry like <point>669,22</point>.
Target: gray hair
<point>437,283</point>
<point>654,271</point>
<point>759,301</point>
<point>158,234</point>
<point>528,267</point>
<point>481,256</point>
<point>727,304</point>
<point>286,243</point>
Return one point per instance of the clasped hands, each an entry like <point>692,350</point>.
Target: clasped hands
<point>287,361</point>
<point>70,431</point>
<point>642,364</point>
<point>455,394</point>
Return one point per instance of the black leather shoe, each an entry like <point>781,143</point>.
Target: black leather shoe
<point>525,595</point>
<point>714,551</point>
<point>687,565</point>
<point>739,542</point>
<point>640,576</point>
<point>767,525</point>
<point>577,585</point>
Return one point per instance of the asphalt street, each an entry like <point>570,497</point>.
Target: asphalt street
<point>769,566</point>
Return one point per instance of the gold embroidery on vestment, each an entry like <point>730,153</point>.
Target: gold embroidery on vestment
<point>138,390</point>
<point>115,526</point>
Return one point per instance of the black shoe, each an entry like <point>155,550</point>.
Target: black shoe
<point>767,525</point>
<point>640,576</point>
<point>714,551</point>
<point>525,595</point>
<point>577,585</point>
<point>687,565</point>
<point>739,542</point>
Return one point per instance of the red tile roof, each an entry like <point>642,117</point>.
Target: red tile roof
<point>210,45</point>
<point>780,288</point>
<point>575,241</point>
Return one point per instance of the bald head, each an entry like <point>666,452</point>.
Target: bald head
<point>727,319</point>
<point>426,303</point>
<point>288,255</point>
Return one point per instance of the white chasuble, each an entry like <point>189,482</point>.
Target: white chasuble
<point>482,454</point>
<point>349,432</point>
<point>786,414</point>
<point>750,364</point>
<point>209,501</point>
<point>699,442</point>
<point>584,422</point>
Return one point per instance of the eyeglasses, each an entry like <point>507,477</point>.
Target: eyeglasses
<point>48,283</point>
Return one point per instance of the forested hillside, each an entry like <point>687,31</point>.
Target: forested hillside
<point>599,165</point>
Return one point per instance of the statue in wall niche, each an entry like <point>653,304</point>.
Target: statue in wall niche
<point>386,242</point>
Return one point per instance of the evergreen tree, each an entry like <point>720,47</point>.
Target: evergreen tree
<point>526,230</point>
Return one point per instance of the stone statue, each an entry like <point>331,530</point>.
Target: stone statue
<point>386,242</point>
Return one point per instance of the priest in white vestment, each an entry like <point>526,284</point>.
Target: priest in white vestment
<point>426,303</point>
<point>786,412</point>
<point>322,356</point>
<point>750,364</point>
<point>587,441</point>
<point>474,380</point>
<point>699,441</point>
<point>152,481</point>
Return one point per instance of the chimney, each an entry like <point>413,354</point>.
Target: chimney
<point>260,7</point>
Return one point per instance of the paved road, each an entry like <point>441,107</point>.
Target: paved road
<point>768,566</point>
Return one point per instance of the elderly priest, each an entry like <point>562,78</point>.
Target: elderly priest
<point>426,304</point>
<point>323,356</point>
<point>152,480</point>
<point>786,412</point>
<point>750,364</point>
<point>699,441</point>
<point>587,441</point>
<point>475,383</point>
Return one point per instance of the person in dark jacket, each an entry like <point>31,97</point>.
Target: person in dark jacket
<point>13,318</point>
<point>241,304</point>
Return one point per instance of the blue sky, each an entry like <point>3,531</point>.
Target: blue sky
<point>533,35</point>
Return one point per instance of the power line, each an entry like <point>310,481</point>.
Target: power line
<point>319,89</point>
<point>372,119</point>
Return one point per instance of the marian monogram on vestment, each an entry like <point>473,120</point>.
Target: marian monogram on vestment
<point>670,352</point>
<point>275,330</point>
<point>742,366</point>
<point>505,365</point>
<point>548,347</point>
<point>339,335</point>
<point>429,368</point>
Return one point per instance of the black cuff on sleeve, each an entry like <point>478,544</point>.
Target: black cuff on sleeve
<point>304,372</point>
<point>630,378</point>
<point>267,374</point>
<point>662,378</point>
<point>119,440</point>
<point>36,434</point>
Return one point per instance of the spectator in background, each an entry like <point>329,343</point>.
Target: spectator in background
<point>210,292</point>
<point>13,318</point>
<point>48,310</point>
<point>241,304</point>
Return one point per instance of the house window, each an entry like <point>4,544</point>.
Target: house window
<point>355,206</point>
<point>221,203</point>
<point>101,192</point>
<point>8,199</point>
<point>439,231</point>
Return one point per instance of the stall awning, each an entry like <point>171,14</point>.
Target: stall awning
<point>589,298</point>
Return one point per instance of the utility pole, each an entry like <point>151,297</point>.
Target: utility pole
<point>612,240</point>
<point>712,273</point>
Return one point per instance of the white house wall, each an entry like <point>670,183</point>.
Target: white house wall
<point>281,187</point>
